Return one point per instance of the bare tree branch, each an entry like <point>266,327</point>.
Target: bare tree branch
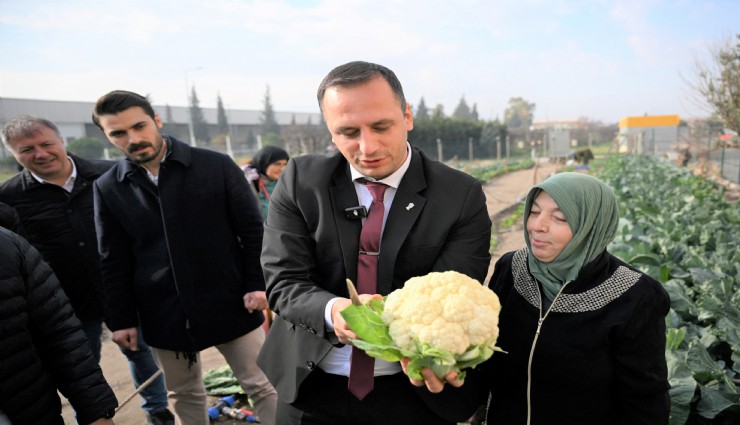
<point>718,82</point>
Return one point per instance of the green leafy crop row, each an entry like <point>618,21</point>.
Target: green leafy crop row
<point>487,172</point>
<point>678,228</point>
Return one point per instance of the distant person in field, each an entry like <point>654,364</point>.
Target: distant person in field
<point>584,332</point>
<point>263,172</point>
<point>584,156</point>
<point>54,199</point>
<point>179,235</point>
<point>684,156</point>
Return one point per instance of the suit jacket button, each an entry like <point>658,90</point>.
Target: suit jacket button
<point>310,365</point>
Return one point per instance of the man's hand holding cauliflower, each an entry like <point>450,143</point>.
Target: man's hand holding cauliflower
<point>436,326</point>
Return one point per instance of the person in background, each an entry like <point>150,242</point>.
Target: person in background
<point>431,217</point>
<point>179,236</point>
<point>42,347</point>
<point>54,200</point>
<point>583,332</point>
<point>263,172</point>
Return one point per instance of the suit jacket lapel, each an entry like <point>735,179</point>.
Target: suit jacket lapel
<point>343,195</point>
<point>406,209</point>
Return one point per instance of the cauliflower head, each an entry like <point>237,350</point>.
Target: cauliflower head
<point>444,321</point>
<point>445,310</point>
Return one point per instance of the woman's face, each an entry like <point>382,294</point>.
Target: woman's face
<point>548,230</point>
<point>275,169</point>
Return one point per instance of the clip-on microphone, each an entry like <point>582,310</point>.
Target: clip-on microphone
<point>355,213</point>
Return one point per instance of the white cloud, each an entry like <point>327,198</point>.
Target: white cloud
<point>570,57</point>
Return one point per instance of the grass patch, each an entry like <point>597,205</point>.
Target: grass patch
<point>6,174</point>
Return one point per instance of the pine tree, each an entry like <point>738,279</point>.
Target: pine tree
<point>168,113</point>
<point>200,127</point>
<point>439,112</point>
<point>222,122</point>
<point>422,112</point>
<point>462,111</point>
<point>168,126</point>
<point>268,121</point>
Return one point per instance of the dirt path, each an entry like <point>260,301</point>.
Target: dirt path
<point>501,193</point>
<point>504,192</point>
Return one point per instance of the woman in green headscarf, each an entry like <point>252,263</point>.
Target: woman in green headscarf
<point>584,333</point>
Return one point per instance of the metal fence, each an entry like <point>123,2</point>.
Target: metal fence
<point>727,163</point>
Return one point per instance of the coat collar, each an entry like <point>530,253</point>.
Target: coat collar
<point>405,211</point>
<point>177,151</point>
<point>86,171</point>
<point>342,195</point>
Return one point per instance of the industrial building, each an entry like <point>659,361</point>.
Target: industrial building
<point>653,134</point>
<point>74,120</point>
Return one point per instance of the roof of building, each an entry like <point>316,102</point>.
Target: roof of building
<point>80,112</point>
<point>650,121</point>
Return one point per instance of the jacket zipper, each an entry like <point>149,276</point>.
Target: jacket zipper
<point>534,342</point>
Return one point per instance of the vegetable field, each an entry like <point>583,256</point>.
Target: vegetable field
<point>678,228</point>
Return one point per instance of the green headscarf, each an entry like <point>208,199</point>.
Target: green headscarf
<point>590,207</point>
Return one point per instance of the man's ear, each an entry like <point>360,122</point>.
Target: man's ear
<point>409,117</point>
<point>158,121</point>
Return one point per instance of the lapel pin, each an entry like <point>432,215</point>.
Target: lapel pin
<point>409,206</point>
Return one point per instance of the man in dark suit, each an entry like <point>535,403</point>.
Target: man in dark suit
<point>435,219</point>
<point>179,235</point>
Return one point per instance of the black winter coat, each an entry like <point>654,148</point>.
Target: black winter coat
<point>61,226</point>
<point>177,258</point>
<point>42,347</point>
<point>9,218</point>
<point>599,357</point>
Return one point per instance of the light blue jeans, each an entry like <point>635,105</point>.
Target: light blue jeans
<point>141,363</point>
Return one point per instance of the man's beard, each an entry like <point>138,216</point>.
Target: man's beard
<point>144,158</point>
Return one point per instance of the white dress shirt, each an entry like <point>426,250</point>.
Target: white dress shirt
<point>68,185</point>
<point>337,361</point>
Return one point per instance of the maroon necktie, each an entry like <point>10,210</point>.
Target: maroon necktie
<point>362,366</point>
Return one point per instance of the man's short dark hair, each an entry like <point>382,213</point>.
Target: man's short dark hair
<point>26,126</point>
<point>359,72</point>
<point>118,101</point>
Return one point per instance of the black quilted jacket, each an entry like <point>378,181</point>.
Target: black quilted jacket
<point>61,226</point>
<point>9,218</point>
<point>42,348</point>
<point>599,355</point>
